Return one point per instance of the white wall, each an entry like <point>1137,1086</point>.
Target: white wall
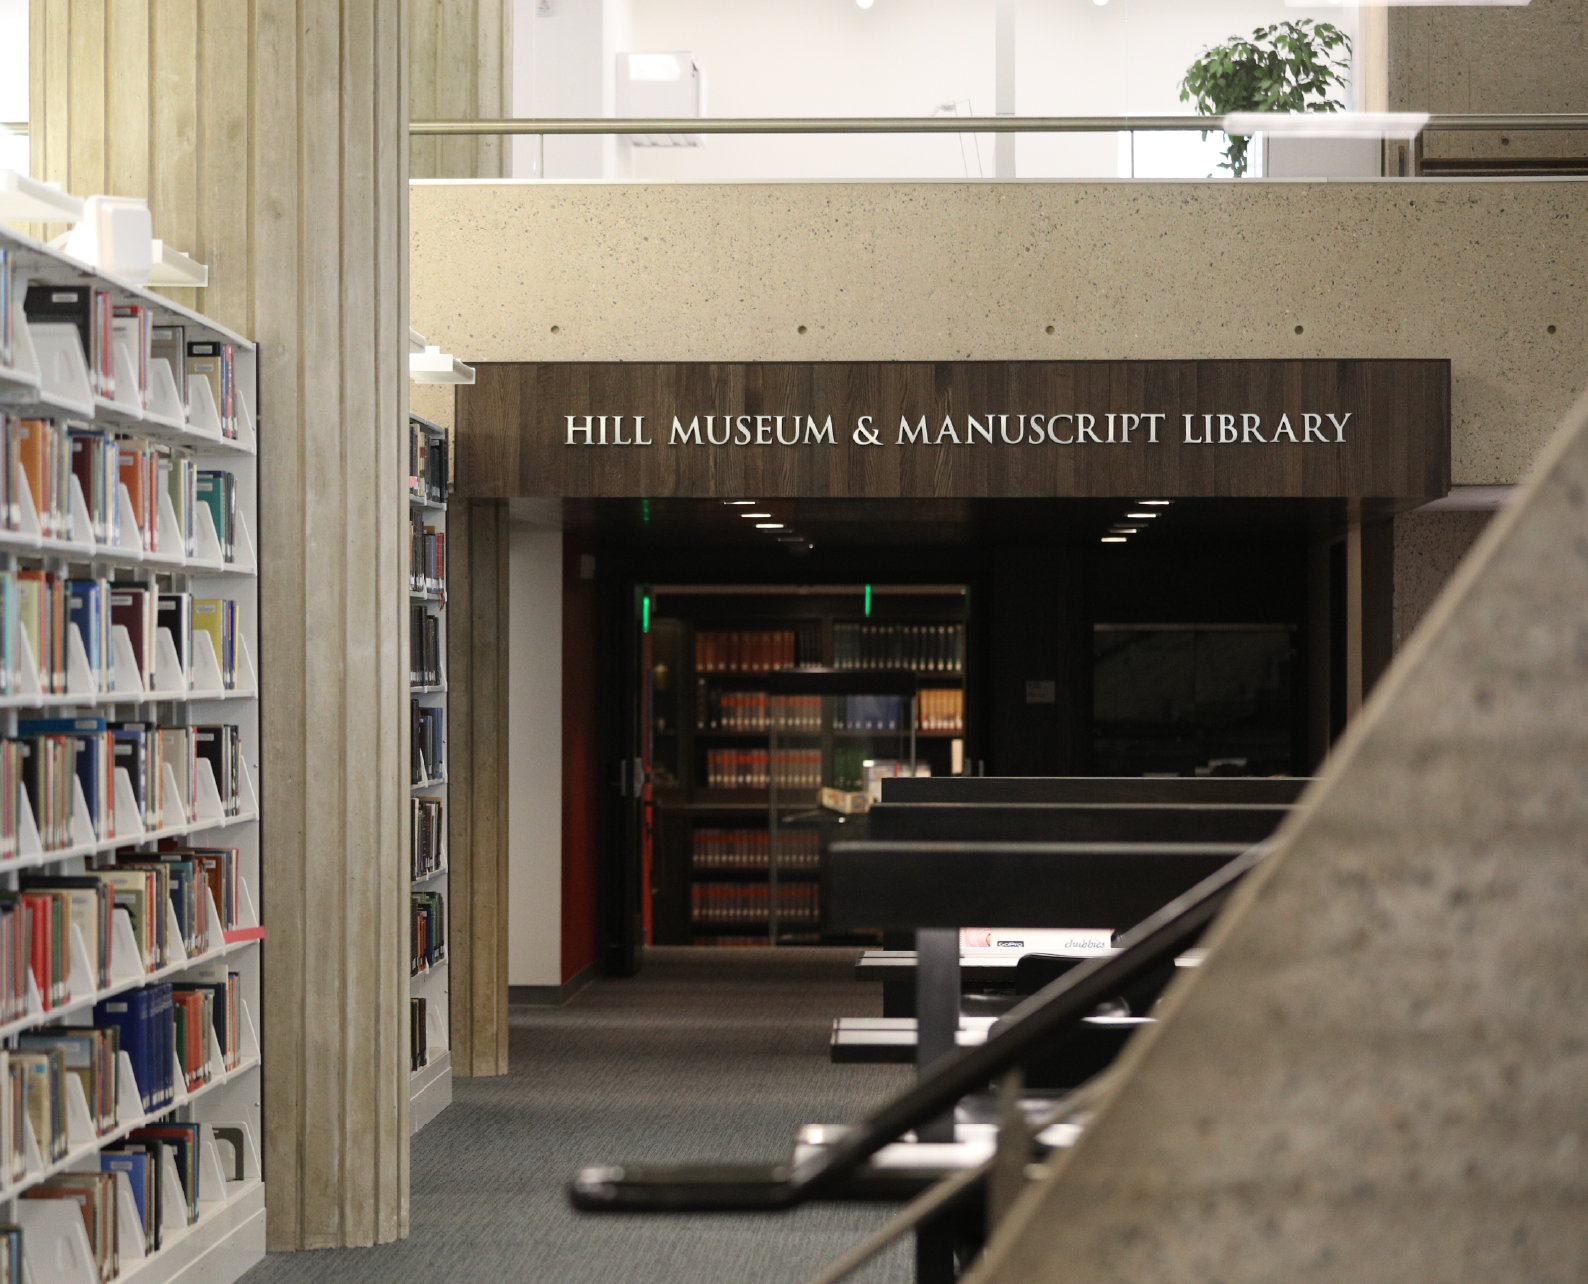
<point>534,806</point>
<point>564,59</point>
<point>913,57</point>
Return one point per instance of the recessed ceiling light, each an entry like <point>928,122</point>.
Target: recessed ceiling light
<point>769,526</point>
<point>755,514</point>
<point>1113,539</point>
<point>1140,515</point>
<point>1158,502</point>
<point>740,503</point>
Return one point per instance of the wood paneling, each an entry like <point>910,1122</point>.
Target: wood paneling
<point>477,644</point>
<point>513,429</point>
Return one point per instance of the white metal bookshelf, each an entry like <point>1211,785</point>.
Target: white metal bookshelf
<point>430,1084</point>
<point>47,377</point>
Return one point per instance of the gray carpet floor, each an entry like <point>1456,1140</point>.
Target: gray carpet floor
<point>706,1054</point>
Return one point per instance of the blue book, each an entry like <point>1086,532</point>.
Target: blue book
<point>92,758</point>
<point>145,1023</point>
<point>84,608</point>
<point>135,1163</point>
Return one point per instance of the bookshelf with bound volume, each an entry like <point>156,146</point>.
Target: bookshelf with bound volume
<point>129,782</point>
<point>429,467</point>
<point>770,714</point>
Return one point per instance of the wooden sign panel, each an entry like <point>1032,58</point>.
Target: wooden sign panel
<point>1344,428</point>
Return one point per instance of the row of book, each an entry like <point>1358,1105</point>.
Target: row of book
<point>429,467</point>
<point>428,920</point>
<point>43,455</point>
<point>103,324</point>
<point>760,651</point>
<point>926,648</point>
<point>428,838</point>
<point>38,919</point>
<point>418,1040</point>
<point>427,739</point>
<point>757,711</point>
<point>750,850</point>
<point>49,754</point>
<point>424,646</point>
<point>885,713</point>
<point>427,560</point>
<point>738,902</point>
<point>44,606</point>
<point>139,1157</point>
<point>940,709</point>
<point>755,768</point>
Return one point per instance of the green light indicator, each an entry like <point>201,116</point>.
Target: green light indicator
<point>868,601</point>
<point>645,613</point>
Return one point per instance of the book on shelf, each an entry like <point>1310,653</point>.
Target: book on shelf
<point>139,467</point>
<point>757,651</point>
<point>426,836</point>
<point>146,1028</point>
<point>91,311</point>
<point>135,608</point>
<point>925,648</point>
<point>131,327</point>
<point>424,627</point>
<point>174,612</point>
<point>428,945</point>
<point>427,572</point>
<point>89,1053</point>
<point>7,354</point>
<point>168,343</point>
<point>44,459</point>
<point>96,465</point>
<point>216,363</point>
<point>426,741</point>
<point>142,1174</point>
<point>740,902</point>
<point>418,1042</point>
<point>182,1140</point>
<point>217,490</point>
<point>88,905</point>
<point>428,463</point>
<point>714,850</point>
<point>756,768</point>
<point>218,618</point>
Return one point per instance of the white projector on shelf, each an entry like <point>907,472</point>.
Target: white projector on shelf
<point>661,86</point>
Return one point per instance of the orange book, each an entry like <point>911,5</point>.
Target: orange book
<point>33,456</point>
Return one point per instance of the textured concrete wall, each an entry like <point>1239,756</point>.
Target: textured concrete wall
<point>1428,548</point>
<point>1379,1073</point>
<point>1475,271</point>
<point>1486,58</point>
<point>460,68</point>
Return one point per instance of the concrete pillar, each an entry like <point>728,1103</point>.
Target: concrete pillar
<point>460,68</point>
<point>1375,1074</point>
<point>270,139</point>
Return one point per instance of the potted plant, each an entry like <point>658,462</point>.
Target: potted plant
<point>1289,67</point>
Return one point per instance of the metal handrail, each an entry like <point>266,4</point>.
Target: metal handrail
<point>1016,1037</point>
<point>1520,121</point>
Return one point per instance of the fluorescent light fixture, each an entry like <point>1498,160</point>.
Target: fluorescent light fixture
<point>653,66</point>
<point>755,514</point>
<point>769,526</point>
<point>1159,503</point>
<point>740,503</point>
<point>1113,539</point>
<point>864,4</point>
<point>1328,124</point>
<point>1138,516</point>
<point>1123,530</point>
